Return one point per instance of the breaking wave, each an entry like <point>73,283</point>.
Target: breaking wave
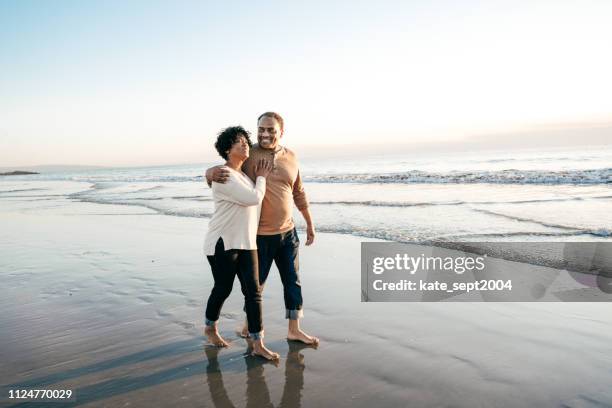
<point>511,176</point>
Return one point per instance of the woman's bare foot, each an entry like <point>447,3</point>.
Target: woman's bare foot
<point>214,337</point>
<point>260,350</point>
<point>299,335</point>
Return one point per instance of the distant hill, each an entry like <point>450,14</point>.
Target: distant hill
<point>18,173</point>
<point>52,168</point>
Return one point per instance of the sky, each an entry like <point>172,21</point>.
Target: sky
<point>153,82</point>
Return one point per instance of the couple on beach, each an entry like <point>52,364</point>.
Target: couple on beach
<point>252,226</point>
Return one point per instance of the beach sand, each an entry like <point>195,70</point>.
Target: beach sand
<point>108,301</point>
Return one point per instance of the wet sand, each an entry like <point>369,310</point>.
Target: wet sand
<point>108,301</point>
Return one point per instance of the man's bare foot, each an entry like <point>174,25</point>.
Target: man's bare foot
<point>299,335</point>
<point>244,333</point>
<point>214,337</point>
<point>260,350</point>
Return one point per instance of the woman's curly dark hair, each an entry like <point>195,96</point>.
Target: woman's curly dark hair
<point>228,136</point>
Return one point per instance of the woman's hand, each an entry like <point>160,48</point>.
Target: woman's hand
<point>263,168</point>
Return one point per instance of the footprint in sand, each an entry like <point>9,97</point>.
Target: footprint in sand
<point>193,303</point>
<point>229,315</point>
<point>176,292</point>
<point>163,314</point>
<point>184,325</point>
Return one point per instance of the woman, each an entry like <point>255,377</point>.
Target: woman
<point>230,243</point>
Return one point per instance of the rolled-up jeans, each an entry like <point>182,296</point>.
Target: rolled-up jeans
<point>226,265</point>
<point>283,249</point>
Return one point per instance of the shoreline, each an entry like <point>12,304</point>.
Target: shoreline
<point>108,300</point>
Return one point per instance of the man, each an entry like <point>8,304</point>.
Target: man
<point>277,238</point>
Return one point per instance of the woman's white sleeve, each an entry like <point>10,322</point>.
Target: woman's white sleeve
<point>236,192</point>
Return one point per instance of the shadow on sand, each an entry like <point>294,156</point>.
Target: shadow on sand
<point>257,394</point>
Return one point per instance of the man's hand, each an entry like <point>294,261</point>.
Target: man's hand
<point>218,174</point>
<point>310,231</point>
<point>310,234</point>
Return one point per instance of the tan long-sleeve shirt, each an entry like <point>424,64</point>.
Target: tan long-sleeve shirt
<point>283,188</point>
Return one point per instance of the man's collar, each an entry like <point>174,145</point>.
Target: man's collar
<point>278,149</point>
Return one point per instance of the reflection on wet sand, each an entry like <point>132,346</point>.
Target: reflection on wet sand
<point>257,393</point>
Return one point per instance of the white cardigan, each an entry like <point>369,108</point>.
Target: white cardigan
<point>236,216</point>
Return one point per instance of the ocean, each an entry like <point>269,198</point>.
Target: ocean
<point>557,194</point>
<point>104,286</point>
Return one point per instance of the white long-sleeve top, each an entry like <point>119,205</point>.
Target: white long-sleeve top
<point>236,216</point>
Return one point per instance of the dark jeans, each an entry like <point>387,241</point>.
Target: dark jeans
<point>283,249</point>
<point>225,266</point>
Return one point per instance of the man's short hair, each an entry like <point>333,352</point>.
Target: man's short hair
<point>274,115</point>
<point>228,136</point>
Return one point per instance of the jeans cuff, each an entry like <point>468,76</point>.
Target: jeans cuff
<point>210,322</point>
<point>294,314</point>
<point>257,336</point>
